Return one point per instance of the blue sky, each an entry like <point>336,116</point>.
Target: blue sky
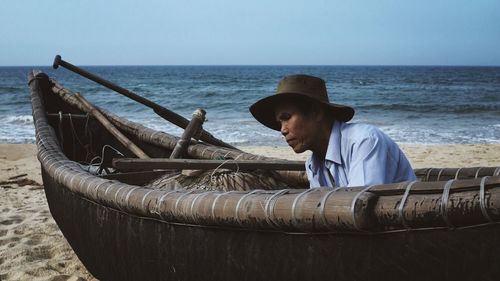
<point>196,32</point>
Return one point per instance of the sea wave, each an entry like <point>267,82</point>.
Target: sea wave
<point>412,104</point>
<point>17,120</point>
<point>437,108</point>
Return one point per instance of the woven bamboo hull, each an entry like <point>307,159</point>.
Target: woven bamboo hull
<point>117,246</point>
<point>124,232</point>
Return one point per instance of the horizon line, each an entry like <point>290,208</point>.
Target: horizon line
<point>282,65</point>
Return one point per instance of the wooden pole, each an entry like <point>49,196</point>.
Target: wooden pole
<point>111,128</point>
<point>158,109</point>
<point>132,164</point>
<point>192,128</point>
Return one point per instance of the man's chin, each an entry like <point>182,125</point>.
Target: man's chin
<point>298,150</point>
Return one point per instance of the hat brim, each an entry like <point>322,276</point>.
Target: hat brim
<point>264,109</point>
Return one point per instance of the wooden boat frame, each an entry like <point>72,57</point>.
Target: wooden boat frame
<point>124,231</point>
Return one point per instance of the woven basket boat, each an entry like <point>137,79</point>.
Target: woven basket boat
<point>442,227</point>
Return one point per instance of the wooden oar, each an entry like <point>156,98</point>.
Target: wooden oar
<point>160,110</point>
<point>133,164</point>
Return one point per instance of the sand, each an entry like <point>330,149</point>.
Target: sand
<point>31,245</point>
<point>33,248</point>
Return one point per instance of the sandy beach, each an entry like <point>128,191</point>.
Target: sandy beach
<point>33,248</point>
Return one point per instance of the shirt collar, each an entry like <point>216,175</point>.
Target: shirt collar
<point>333,150</point>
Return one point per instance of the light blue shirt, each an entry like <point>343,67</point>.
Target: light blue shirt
<point>359,155</point>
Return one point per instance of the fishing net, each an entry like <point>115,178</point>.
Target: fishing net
<point>219,179</point>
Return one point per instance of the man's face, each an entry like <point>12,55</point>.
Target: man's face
<point>298,128</point>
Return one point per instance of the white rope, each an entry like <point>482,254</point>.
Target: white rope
<point>439,174</point>
<point>160,201</point>
<point>403,202</point>
<point>477,172</point>
<point>294,205</point>
<point>353,206</point>
<point>428,174</point>
<point>238,219</point>
<point>144,198</point>
<point>269,207</point>
<point>482,199</point>
<point>323,205</point>
<point>444,203</point>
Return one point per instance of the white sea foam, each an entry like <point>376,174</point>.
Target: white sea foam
<point>17,120</point>
<point>17,129</point>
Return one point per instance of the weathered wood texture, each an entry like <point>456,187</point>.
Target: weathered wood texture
<point>194,127</point>
<point>132,164</point>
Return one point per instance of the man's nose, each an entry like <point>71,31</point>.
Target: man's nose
<point>284,129</point>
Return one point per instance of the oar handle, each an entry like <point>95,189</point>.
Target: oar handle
<point>160,110</point>
<point>58,61</point>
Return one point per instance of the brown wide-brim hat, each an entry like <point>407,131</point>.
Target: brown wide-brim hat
<point>293,86</point>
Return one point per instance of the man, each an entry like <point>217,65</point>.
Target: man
<point>343,154</point>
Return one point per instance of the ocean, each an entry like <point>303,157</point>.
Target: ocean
<point>412,104</point>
